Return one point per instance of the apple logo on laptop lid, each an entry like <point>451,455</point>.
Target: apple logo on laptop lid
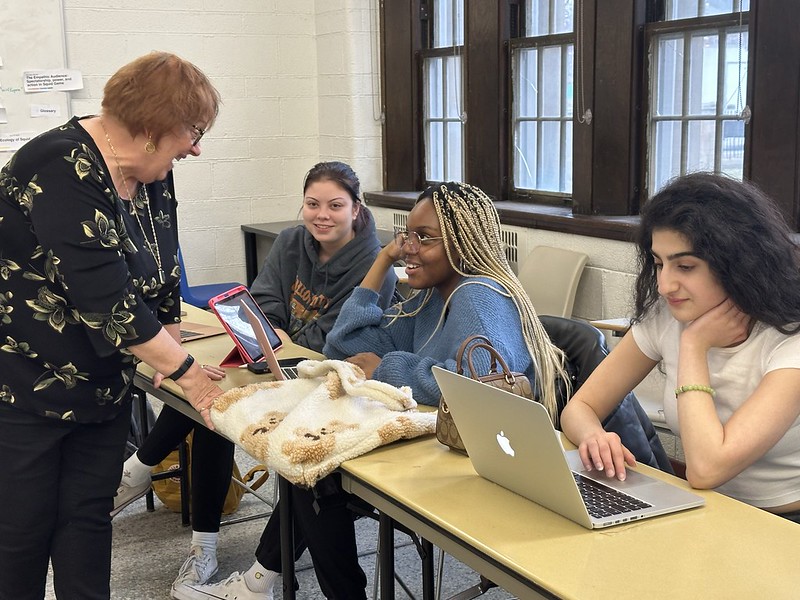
<point>505,444</point>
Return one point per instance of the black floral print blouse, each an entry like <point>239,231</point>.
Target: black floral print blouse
<point>78,280</point>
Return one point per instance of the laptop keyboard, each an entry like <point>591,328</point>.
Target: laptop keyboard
<point>186,333</point>
<point>290,372</point>
<point>603,501</point>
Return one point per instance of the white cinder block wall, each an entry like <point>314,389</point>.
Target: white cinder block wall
<point>298,79</point>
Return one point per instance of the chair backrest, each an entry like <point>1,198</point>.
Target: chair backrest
<point>550,277</point>
<point>585,348</point>
<point>185,291</point>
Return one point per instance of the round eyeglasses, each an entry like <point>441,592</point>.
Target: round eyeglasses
<point>414,240</point>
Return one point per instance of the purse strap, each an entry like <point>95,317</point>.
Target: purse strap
<point>482,342</point>
<point>463,347</point>
<point>496,358</point>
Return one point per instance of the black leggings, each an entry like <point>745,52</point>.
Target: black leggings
<point>329,535</point>
<point>211,463</point>
<point>57,484</point>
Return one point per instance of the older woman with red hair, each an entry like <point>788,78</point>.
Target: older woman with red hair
<point>89,282</point>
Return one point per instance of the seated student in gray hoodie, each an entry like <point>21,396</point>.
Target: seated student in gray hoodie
<point>313,268</point>
<point>309,273</point>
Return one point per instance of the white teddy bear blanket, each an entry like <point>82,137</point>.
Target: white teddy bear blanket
<point>305,428</point>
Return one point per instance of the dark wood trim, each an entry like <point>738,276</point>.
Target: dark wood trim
<point>486,30</point>
<point>400,40</point>
<point>535,216</point>
<point>583,133</point>
<point>772,157</point>
<point>617,102</point>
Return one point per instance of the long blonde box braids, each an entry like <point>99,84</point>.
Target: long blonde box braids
<point>471,227</point>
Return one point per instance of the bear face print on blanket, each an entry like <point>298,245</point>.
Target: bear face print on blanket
<point>305,428</point>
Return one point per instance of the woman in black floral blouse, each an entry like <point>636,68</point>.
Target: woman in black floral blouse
<point>88,287</point>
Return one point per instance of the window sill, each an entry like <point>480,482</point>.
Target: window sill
<point>535,216</point>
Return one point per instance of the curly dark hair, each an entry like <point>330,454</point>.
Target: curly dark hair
<point>739,232</point>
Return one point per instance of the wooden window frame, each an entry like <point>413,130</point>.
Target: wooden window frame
<point>608,169</point>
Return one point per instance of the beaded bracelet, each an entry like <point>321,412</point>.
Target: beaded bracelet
<point>695,388</point>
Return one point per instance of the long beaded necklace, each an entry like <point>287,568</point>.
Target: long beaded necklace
<point>155,251</point>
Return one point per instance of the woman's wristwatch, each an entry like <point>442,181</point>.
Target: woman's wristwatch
<point>181,371</point>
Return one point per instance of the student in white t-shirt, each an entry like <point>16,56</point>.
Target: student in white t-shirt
<point>718,303</point>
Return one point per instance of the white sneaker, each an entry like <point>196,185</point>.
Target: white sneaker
<point>129,491</point>
<point>233,588</point>
<point>197,569</point>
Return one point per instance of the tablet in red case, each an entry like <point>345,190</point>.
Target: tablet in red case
<point>227,307</point>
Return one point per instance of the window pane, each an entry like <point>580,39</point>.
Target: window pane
<point>454,90</point>
<point>448,23</point>
<point>732,158</point>
<point>453,158</point>
<point>433,90</point>
<point>703,84</point>
<point>545,17</point>
<point>669,77</point>
<point>689,9</point>
<point>527,89</point>
<point>550,171</point>
<point>434,147</point>
<point>551,83</point>
<point>525,155</point>
<point>700,146</point>
<point>735,75</point>
<point>665,159</point>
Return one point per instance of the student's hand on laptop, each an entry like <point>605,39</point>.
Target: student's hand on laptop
<point>368,361</point>
<point>604,451</point>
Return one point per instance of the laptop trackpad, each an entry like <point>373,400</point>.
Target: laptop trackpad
<point>632,479</point>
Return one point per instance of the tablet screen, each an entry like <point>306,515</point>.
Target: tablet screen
<point>228,308</point>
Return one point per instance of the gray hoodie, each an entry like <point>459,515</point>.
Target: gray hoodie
<point>303,297</point>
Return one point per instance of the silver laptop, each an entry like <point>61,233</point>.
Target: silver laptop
<point>280,373</point>
<point>511,441</point>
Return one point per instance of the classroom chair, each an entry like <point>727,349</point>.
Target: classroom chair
<point>199,295</point>
<point>550,277</point>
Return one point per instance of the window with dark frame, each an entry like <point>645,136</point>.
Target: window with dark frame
<point>643,128</point>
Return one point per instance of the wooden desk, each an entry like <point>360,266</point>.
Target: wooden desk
<point>617,327</point>
<point>258,239</point>
<point>723,550</point>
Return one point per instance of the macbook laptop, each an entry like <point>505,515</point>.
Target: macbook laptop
<point>280,373</point>
<point>196,331</point>
<point>512,442</point>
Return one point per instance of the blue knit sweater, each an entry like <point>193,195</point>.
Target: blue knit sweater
<point>407,353</point>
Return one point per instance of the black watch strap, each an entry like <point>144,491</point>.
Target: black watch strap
<point>181,371</point>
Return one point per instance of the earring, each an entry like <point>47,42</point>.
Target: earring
<point>150,147</point>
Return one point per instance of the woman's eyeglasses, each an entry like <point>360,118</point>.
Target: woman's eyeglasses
<point>415,240</point>
<point>199,133</point>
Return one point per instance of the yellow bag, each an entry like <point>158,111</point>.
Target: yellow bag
<point>168,490</point>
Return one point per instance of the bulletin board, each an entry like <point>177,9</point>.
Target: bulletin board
<point>32,56</point>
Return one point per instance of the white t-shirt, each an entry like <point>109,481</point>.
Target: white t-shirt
<point>774,479</point>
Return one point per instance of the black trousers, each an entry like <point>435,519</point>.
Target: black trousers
<point>211,463</point>
<point>57,484</point>
<point>324,524</point>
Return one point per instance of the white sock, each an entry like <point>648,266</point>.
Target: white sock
<point>206,540</point>
<point>136,470</point>
<point>259,579</point>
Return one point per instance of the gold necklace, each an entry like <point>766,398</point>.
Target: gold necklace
<point>155,251</point>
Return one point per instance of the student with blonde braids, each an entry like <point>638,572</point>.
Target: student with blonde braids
<point>463,286</point>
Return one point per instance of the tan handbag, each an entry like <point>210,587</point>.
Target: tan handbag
<point>169,490</point>
<point>499,376</point>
